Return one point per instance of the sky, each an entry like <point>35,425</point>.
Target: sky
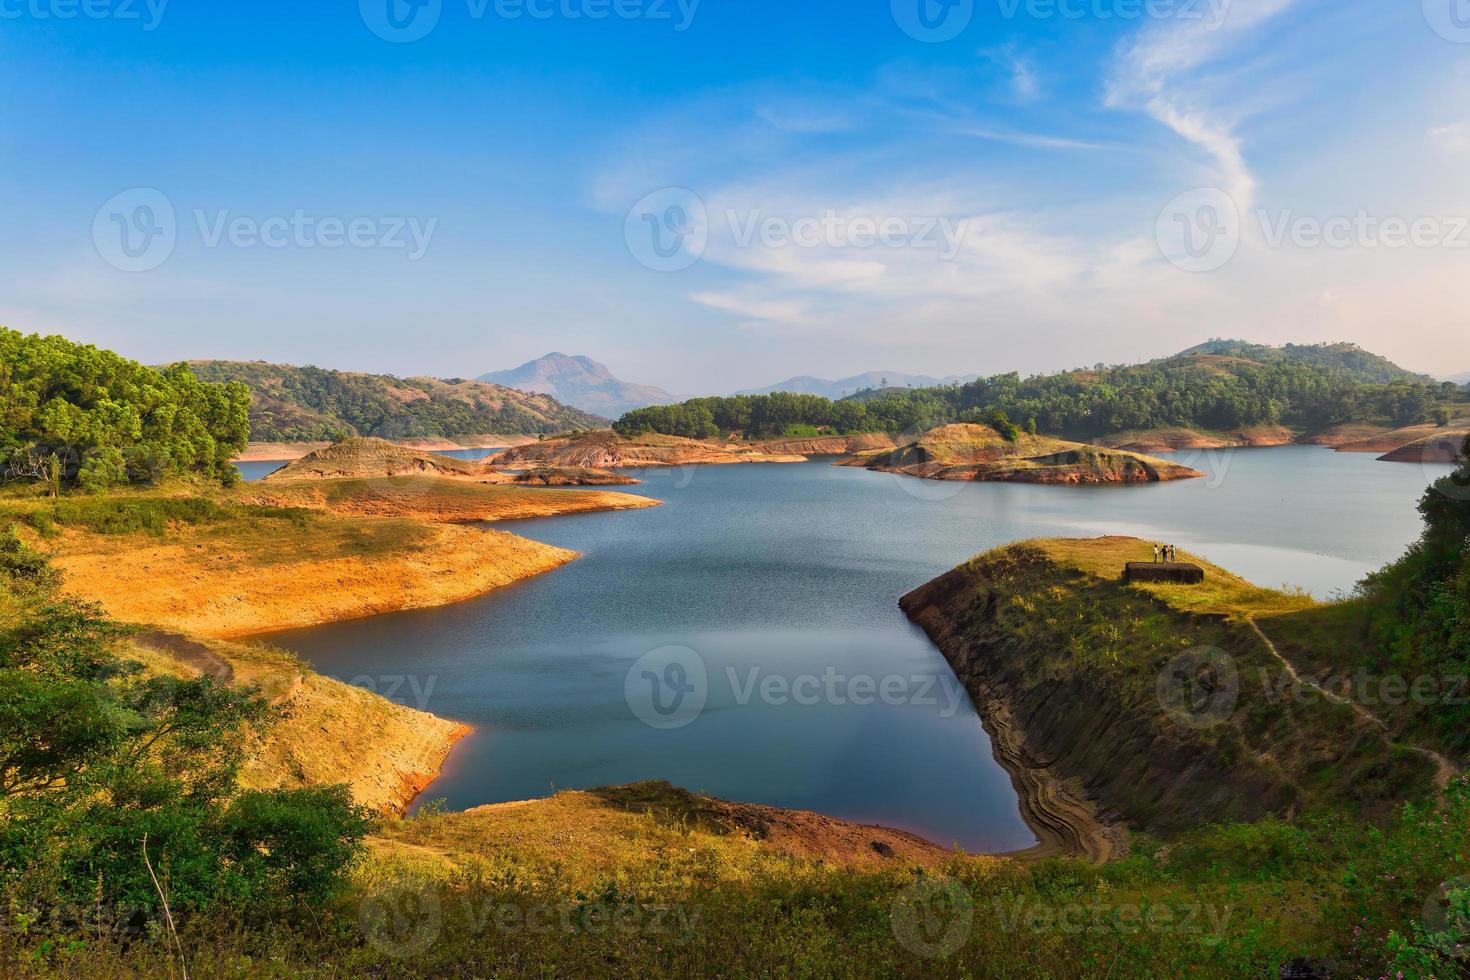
<point>709,195</point>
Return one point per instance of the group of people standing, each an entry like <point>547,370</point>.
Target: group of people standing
<point>1165,552</point>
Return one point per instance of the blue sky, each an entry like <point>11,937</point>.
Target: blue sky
<point>1023,159</point>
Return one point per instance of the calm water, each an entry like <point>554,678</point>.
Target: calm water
<point>781,582</point>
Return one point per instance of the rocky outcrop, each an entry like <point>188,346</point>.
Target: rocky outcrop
<point>981,453</point>
<point>1174,440</point>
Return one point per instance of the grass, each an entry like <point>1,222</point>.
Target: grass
<point>1053,619</point>
<point>590,884</point>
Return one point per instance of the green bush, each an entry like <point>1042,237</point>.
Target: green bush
<point>99,761</point>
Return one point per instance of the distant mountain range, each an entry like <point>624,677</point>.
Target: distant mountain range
<point>295,404</point>
<point>1459,379</point>
<point>841,388</point>
<point>581,383</point>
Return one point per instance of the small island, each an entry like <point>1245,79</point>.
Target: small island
<point>986,453</point>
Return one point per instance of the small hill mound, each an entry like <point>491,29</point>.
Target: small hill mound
<point>370,458</point>
<point>606,450</point>
<point>982,453</point>
<point>1443,447</point>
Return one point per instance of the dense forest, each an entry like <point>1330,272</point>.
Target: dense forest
<point>74,414</point>
<point>1302,388</point>
<point>295,404</point>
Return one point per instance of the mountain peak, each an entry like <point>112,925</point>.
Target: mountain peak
<point>578,380</point>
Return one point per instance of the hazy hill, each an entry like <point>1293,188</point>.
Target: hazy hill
<point>1341,359</point>
<point>580,382</point>
<point>841,388</point>
<point>293,404</point>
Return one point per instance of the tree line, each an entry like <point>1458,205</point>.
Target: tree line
<point>73,414</point>
<point>1083,405</point>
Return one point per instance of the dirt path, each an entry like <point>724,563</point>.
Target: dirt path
<point>190,653</point>
<point>1445,768</point>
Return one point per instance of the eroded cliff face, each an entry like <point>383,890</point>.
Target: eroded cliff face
<point>1065,669</point>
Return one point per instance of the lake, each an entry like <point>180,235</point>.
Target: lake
<point>744,639</point>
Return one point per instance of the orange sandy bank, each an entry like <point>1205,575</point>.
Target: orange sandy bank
<point>205,581</point>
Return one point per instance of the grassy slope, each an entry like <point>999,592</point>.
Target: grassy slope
<point>1048,630</point>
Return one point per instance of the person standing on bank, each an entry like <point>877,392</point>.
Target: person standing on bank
<point>1156,554</point>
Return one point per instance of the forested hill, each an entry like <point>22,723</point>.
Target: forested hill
<point>1344,360</point>
<point>293,404</point>
<point>1306,389</point>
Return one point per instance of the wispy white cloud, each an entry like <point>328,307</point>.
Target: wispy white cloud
<point>1039,140</point>
<point>1160,69</point>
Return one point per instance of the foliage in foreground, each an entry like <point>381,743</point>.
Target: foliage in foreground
<point>110,778</point>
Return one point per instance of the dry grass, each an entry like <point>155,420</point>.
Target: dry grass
<point>247,575</point>
<point>324,732</point>
<point>431,498</point>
